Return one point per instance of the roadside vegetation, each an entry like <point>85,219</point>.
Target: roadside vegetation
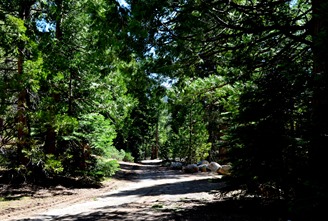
<point>85,84</point>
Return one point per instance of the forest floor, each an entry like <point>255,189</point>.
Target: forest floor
<point>137,192</point>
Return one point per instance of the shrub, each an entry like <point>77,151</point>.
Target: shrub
<point>105,168</point>
<point>128,157</point>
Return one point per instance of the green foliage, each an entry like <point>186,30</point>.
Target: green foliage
<point>34,73</point>
<point>4,162</point>
<point>105,168</point>
<point>73,79</point>
<point>249,77</point>
<point>98,131</point>
<point>53,165</point>
<point>262,104</point>
<point>65,125</point>
<point>18,27</point>
<point>196,125</point>
<point>269,133</point>
<point>128,157</point>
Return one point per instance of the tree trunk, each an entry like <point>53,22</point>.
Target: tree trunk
<point>22,132</point>
<point>59,33</point>
<point>50,142</point>
<point>22,121</point>
<point>154,152</point>
<point>319,145</point>
<point>190,146</point>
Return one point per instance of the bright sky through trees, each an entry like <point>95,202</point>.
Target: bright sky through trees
<point>123,3</point>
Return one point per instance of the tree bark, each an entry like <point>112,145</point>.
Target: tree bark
<point>22,121</point>
<point>154,154</point>
<point>50,140</point>
<point>319,145</point>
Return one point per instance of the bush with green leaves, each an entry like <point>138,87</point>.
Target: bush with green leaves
<point>53,165</point>
<point>105,168</point>
<point>128,157</point>
<point>98,134</point>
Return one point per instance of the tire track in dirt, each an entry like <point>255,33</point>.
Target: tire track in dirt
<point>34,204</point>
<point>149,193</point>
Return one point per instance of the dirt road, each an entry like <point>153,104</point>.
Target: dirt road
<point>139,192</point>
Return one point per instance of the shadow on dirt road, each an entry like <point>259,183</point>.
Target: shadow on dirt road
<point>152,192</point>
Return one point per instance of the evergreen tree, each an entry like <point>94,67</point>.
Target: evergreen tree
<point>261,44</point>
<point>67,94</point>
<point>20,74</point>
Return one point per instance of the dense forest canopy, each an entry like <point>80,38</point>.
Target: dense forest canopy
<point>87,83</point>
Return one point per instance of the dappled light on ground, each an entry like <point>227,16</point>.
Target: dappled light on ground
<point>148,192</point>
